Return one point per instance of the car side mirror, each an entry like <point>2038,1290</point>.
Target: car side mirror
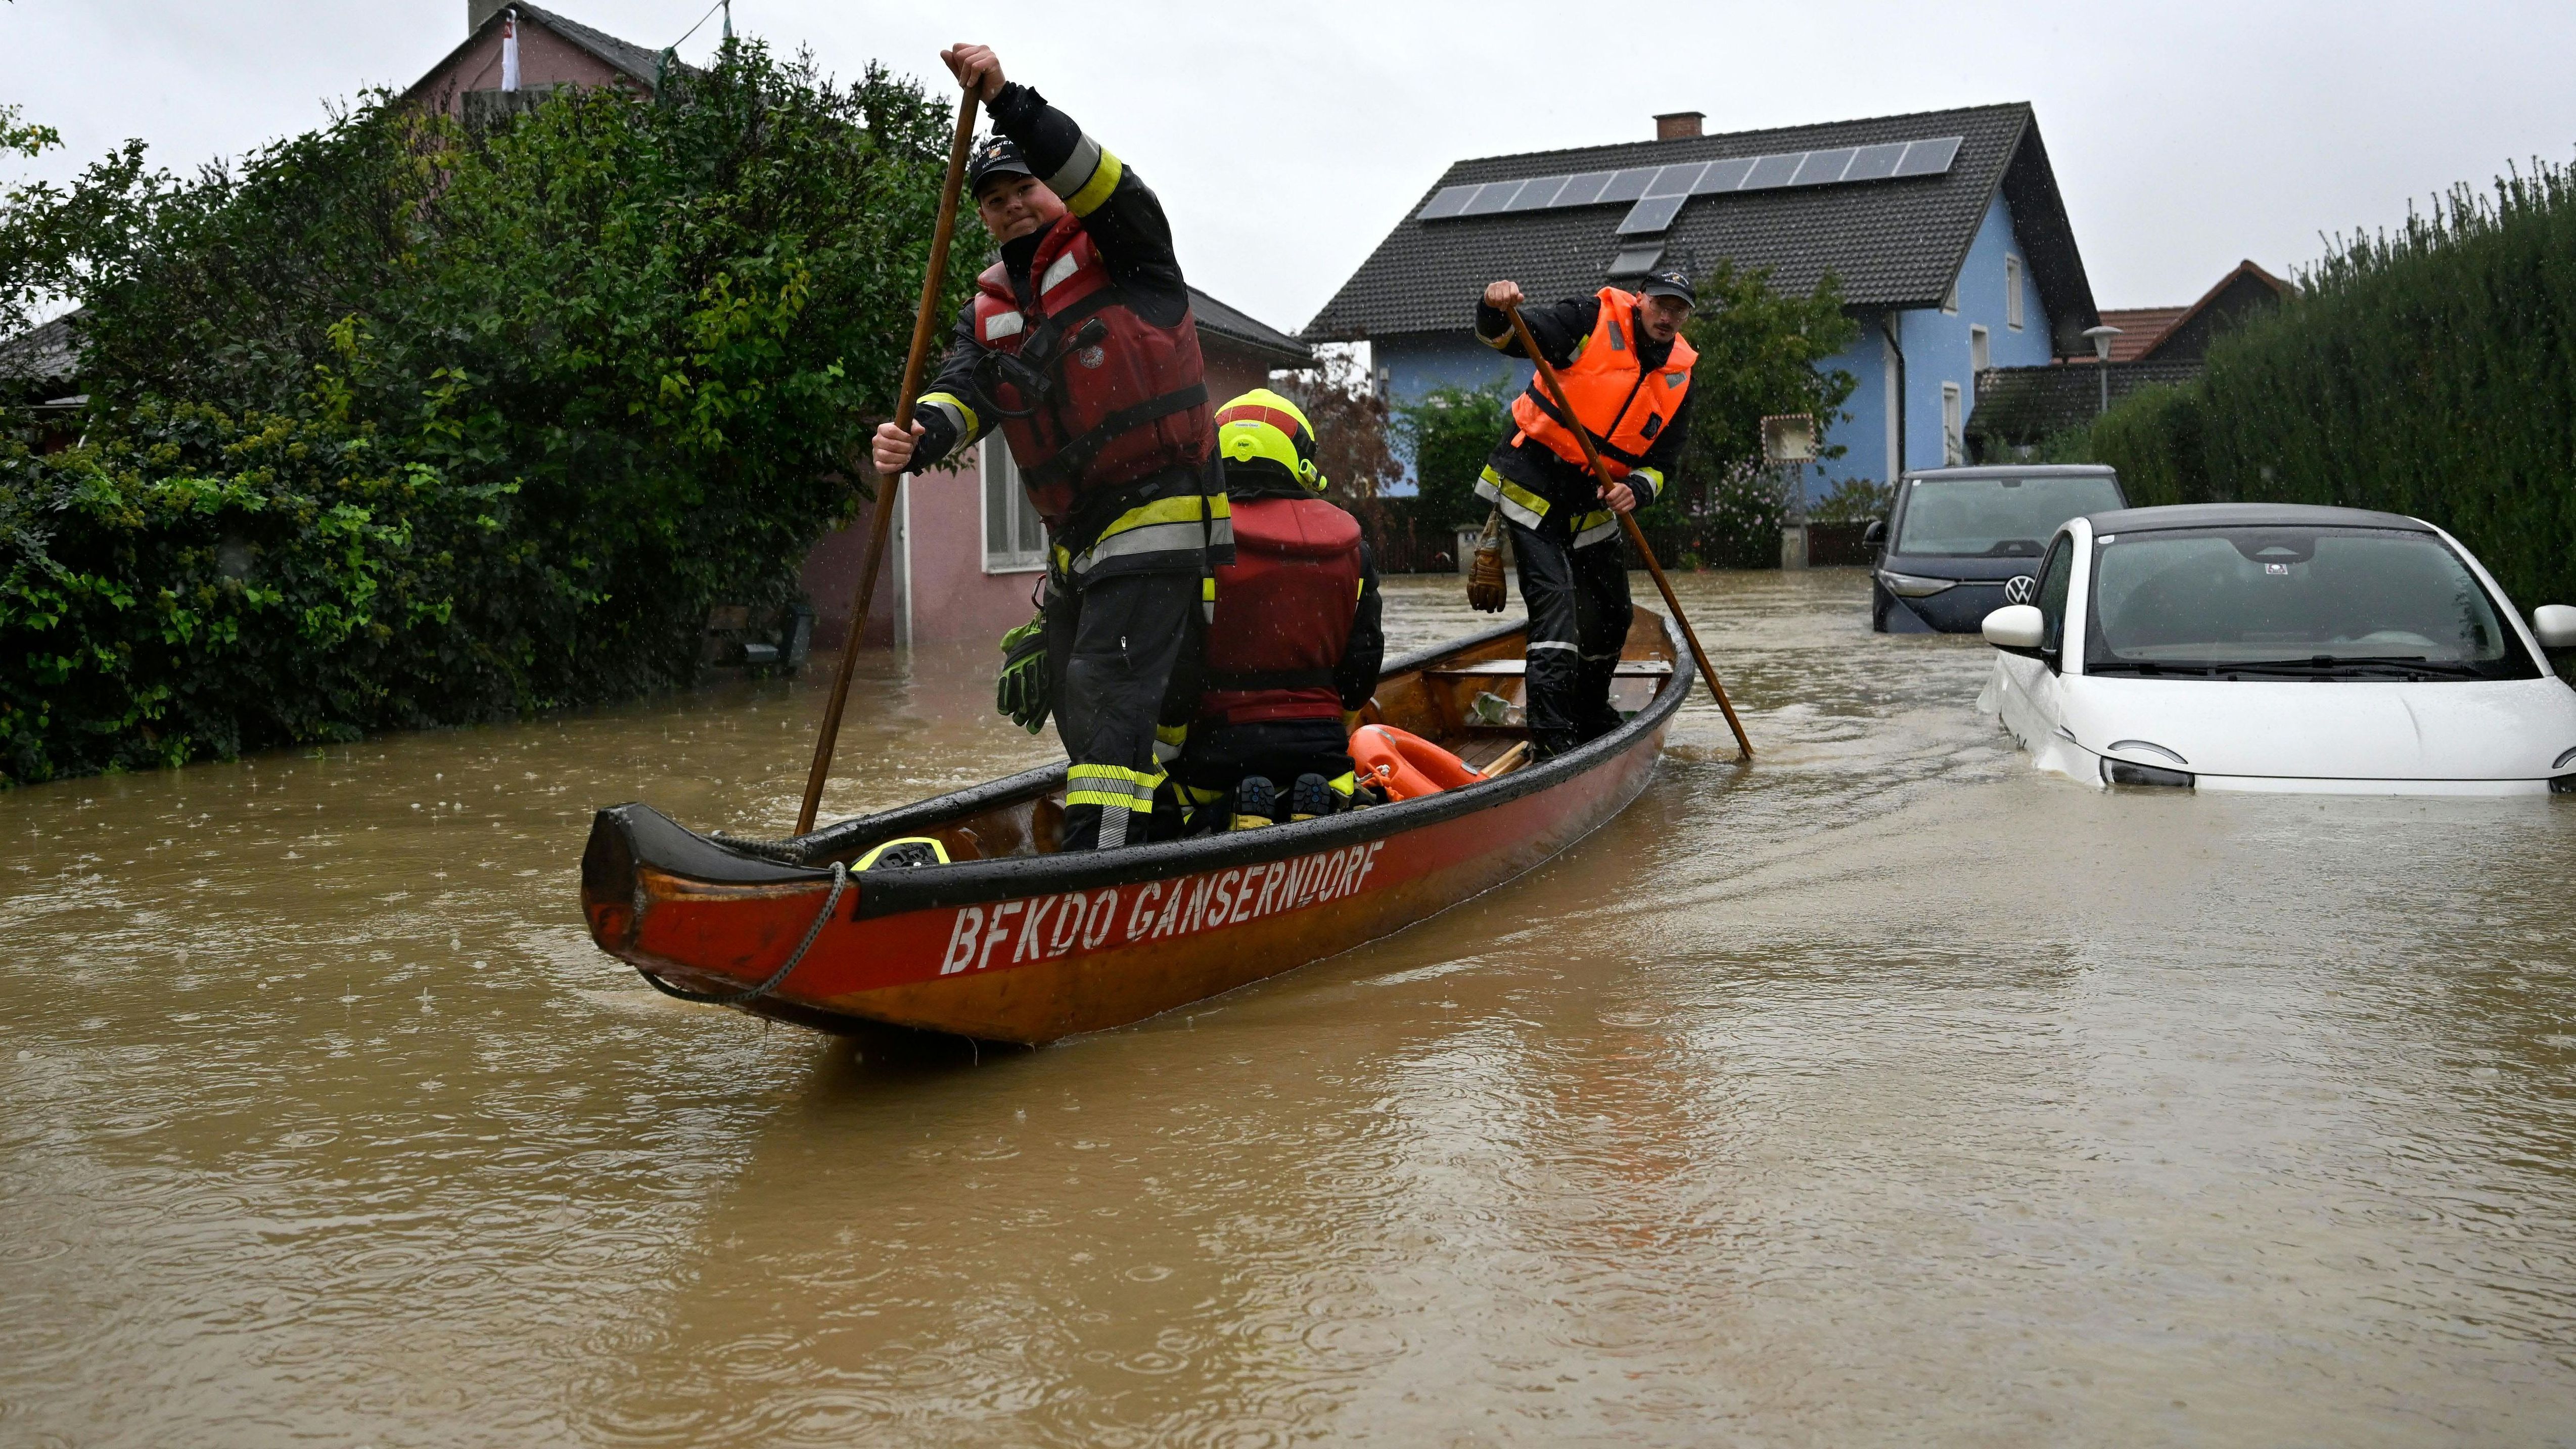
<point>2555,626</point>
<point>1874,537</point>
<point>2017,629</point>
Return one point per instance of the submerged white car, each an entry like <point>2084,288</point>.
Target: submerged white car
<point>2245,646</point>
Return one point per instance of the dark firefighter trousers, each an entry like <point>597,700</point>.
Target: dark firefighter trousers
<point>1122,657</point>
<point>1578,622</point>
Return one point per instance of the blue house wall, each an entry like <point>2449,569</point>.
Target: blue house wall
<point>1937,347</point>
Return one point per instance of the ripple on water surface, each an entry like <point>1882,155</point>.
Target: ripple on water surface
<point>1880,1092</point>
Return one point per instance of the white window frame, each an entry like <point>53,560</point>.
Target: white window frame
<point>2012,292</point>
<point>998,479</point>
<point>1981,351</point>
<point>1954,431</point>
<point>1950,299</point>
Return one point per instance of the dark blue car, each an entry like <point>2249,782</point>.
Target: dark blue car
<point>1961,543</point>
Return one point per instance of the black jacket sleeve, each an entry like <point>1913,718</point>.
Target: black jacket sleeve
<point>1121,212</point>
<point>953,411</point>
<point>1560,328</point>
<point>1365,654</point>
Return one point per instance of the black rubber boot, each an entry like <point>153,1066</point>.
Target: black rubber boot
<point>1310,796</point>
<point>1256,803</point>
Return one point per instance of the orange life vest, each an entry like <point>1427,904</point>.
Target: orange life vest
<point>1284,609</point>
<point>1092,396</point>
<point>1622,405</point>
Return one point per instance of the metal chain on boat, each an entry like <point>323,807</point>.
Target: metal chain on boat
<point>840,882</point>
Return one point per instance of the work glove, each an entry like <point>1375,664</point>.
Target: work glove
<point>1022,693</point>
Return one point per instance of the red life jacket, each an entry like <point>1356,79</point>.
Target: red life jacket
<point>1092,396</point>
<point>1623,406</point>
<point>1283,612</point>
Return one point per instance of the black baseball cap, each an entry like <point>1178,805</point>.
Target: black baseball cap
<point>998,156</point>
<point>1668,281</point>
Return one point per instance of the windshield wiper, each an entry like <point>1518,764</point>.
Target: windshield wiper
<point>2330,665</point>
<point>2142,666</point>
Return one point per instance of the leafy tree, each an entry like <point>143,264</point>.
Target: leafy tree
<point>1761,353</point>
<point>25,137</point>
<point>1450,431</point>
<point>397,422</point>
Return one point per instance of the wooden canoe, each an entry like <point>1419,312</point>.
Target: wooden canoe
<point>1010,942</point>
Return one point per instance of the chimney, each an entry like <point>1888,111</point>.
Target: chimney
<point>1677,125</point>
<point>478,11</point>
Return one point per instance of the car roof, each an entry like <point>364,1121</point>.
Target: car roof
<point>2027,470</point>
<point>2248,515</point>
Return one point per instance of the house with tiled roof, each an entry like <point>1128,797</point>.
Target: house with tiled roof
<point>2021,407</point>
<point>967,545</point>
<point>1944,230</point>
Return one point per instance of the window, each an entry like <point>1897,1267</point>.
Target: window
<point>1998,517</point>
<point>2054,578</point>
<point>1954,440</point>
<point>1014,536</point>
<point>2295,602</point>
<point>1981,354</point>
<point>1950,298</point>
<point>2012,292</point>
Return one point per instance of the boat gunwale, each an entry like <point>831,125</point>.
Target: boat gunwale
<point>975,881</point>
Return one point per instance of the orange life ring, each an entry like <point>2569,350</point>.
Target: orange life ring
<point>1406,765</point>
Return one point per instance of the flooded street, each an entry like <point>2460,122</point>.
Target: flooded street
<point>1882,1093</point>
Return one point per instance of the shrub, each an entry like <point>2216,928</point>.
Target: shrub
<point>514,407</point>
<point>2432,372</point>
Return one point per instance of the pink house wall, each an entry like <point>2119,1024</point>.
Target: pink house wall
<point>952,597</point>
<point>545,58</point>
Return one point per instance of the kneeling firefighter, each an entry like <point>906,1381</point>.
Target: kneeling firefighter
<point>1627,374</point>
<point>1079,346</point>
<point>1295,644</point>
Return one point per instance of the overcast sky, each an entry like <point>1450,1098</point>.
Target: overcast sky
<point>1287,138</point>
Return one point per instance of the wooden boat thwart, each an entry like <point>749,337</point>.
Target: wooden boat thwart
<point>1013,942</point>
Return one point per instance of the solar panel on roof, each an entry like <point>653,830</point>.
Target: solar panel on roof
<point>1928,158</point>
<point>1771,171</point>
<point>1676,180</point>
<point>1635,259</point>
<point>1870,163</point>
<point>1539,193</point>
<point>1628,185</point>
<point>1823,168</point>
<point>1722,176</point>
<point>1447,204</point>
<point>1652,214</point>
<point>1585,189</point>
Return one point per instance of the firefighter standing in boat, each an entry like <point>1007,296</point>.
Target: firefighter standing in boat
<point>1080,349</point>
<point>1294,646</point>
<point>1627,374</point>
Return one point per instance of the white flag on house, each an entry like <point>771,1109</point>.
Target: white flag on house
<point>510,50</point>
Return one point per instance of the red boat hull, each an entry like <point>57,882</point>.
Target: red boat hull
<point>1091,942</point>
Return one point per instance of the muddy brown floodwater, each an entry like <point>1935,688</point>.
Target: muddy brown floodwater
<point>1883,1093</point>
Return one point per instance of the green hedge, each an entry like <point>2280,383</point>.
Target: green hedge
<point>397,423</point>
<point>2431,372</point>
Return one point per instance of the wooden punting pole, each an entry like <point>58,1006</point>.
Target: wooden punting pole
<point>924,322</point>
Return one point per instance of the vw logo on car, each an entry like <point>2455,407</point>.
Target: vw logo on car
<point>2020,589</point>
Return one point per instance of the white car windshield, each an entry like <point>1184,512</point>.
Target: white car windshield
<point>2293,601</point>
<point>1995,517</point>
